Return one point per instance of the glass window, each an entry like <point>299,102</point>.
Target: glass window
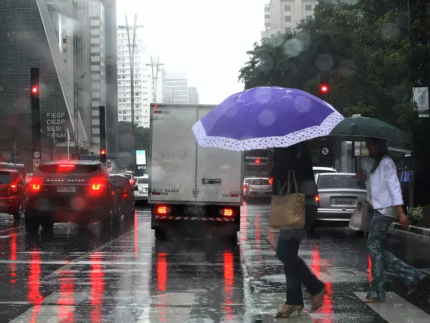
<point>5,178</point>
<point>142,180</point>
<point>260,181</point>
<point>266,16</point>
<point>288,30</point>
<point>308,7</point>
<point>308,18</point>
<point>77,169</point>
<point>287,7</point>
<point>287,18</point>
<point>340,181</point>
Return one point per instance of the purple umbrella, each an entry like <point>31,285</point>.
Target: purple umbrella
<point>266,117</point>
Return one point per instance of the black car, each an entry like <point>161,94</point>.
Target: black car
<point>73,191</point>
<point>126,196</point>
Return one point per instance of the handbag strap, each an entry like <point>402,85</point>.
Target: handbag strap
<point>295,182</point>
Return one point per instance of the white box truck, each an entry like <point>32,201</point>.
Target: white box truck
<point>190,186</point>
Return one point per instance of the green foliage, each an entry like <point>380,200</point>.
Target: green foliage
<point>126,138</point>
<point>415,215</point>
<point>364,47</point>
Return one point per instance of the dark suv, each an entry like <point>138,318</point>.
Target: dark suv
<point>76,191</point>
<point>12,193</point>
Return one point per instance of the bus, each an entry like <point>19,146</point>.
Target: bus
<point>255,163</point>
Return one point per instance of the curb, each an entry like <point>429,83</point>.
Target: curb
<point>412,229</point>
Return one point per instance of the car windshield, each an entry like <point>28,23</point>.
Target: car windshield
<point>68,168</point>
<point>260,181</point>
<point>5,177</point>
<point>143,180</point>
<point>340,181</point>
<point>127,176</point>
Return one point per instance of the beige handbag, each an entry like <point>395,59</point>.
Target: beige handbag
<point>362,217</point>
<point>288,211</point>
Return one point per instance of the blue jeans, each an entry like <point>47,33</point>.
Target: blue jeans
<point>383,260</point>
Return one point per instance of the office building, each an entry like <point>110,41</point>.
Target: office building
<point>176,87</point>
<point>143,93</point>
<point>284,15</point>
<point>193,96</point>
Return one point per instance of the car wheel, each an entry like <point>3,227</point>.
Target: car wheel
<point>160,234</point>
<point>47,223</point>
<point>32,222</point>
<point>17,213</point>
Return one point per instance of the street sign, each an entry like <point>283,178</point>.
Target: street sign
<point>420,96</point>
<point>357,152</point>
<point>325,151</point>
<point>36,162</point>
<point>36,155</point>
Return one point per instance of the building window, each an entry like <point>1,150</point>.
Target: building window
<point>288,30</point>
<point>308,18</point>
<point>308,7</point>
<point>287,7</point>
<point>287,18</point>
<point>266,16</point>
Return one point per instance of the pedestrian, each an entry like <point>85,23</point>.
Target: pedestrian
<point>385,196</point>
<point>406,177</point>
<point>298,159</point>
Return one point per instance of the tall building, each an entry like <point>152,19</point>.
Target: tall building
<point>284,15</point>
<point>176,88</point>
<point>142,79</point>
<point>193,96</point>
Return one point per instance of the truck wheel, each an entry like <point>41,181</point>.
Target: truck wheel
<point>32,222</point>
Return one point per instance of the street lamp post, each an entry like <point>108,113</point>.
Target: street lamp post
<point>131,46</point>
<point>155,77</point>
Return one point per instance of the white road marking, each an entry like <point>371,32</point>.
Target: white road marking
<point>165,314</point>
<point>45,314</point>
<point>397,310</point>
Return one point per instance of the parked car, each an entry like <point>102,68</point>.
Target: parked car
<point>323,170</point>
<point>339,194</point>
<point>258,188</point>
<point>126,196</point>
<point>141,194</point>
<point>13,193</point>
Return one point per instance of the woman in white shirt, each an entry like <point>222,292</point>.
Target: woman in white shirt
<point>387,201</point>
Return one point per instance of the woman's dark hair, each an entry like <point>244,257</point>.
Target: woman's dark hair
<point>382,151</point>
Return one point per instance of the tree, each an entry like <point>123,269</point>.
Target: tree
<point>126,138</point>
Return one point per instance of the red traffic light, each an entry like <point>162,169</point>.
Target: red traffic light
<point>34,90</point>
<point>324,89</point>
<point>103,152</point>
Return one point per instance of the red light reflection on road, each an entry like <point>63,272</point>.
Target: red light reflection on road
<point>369,268</point>
<point>272,239</point>
<point>258,237</point>
<point>326,309</point>
<point>162,272</point>
<point>228,284</point>
<point>66,301</point>
<point>13,259</point>
<point>34,297</point>
<point>136,248</point>
<point>97,280</point>
<point>243,220</point>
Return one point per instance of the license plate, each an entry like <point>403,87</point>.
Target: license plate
<point>66,189</point>
<point>349,202</point>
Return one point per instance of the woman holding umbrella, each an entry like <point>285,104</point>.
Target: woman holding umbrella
<point>386,198</point>
<point>296,158</point>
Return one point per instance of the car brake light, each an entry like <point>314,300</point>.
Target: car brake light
<point>97,185</point>
<point>245,187</point>
<point>35,185</point>
<point>317,199</point>
<point>271,181</point>
<point>226,212</point>
<point>162,210</point>
<point>257,161</point>
<point>67,166</point>
<point>13,189</point>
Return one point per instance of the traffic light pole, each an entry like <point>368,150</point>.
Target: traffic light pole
<point>102,116</point>
<point>36,125</point>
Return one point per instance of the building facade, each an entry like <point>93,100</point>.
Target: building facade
<point>176,87</point>
<point>193,96</point>
<point>284,15</point>
<point>143,92</point>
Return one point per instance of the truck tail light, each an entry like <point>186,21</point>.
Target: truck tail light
<point>162,210</point>
<point>226,212</point>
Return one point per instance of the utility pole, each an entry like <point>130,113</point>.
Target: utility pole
<point>75,79</point>
<point>35,117</point>
<point>155,78</point>
<point>131,46</point>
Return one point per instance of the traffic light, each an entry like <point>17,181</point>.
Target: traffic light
<point>324,87</point>
<point>103,156</point>
<point>35,115</point>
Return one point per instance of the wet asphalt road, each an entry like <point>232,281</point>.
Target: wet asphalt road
<point>76,276</point>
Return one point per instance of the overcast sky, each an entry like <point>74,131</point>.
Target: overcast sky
<point>207,39</point>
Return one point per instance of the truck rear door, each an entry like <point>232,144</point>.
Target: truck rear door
<point>173,154</point>
<point>219,173</point>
